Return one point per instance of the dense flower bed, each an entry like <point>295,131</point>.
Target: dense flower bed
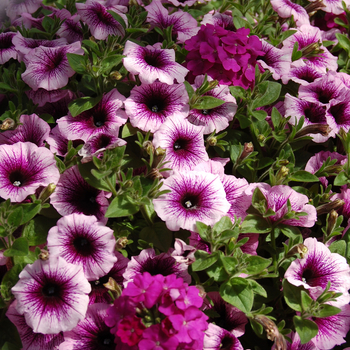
<point>174,175</point>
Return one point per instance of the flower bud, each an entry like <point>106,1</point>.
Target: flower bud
<point>332,221</point>
<point>159,151</point>
<point>114,287</point>
<point>212,141</point>
<point>261,138</point>
<point>121,243</point>
<point>298,249</point>
<point>47,192</point>
<point>248,148</point>
<point>7,124</point>
<point>148,147</point>
<point>326,208</point>
<point>155,174</point>
<point>43,255</point>
<point>115,75</point>
<point>323,129</point>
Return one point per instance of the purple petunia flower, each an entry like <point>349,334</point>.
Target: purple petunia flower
<point>16,8</point>
<point>183,143</point>
<point>301,73</point>
<point>31,340</point>
<point>184,25</point>
<point>74,195</point>
<point>152,63</point>
<point>71,29</point>
<point>32,129</point>
<point>100,22</point>
<point>149,105</point>
<point>52,295</point>
<point>83,241</point>
<point>91,333</point>
<point>42,97</point>
<point>48,67</point>
<point>217,118</point>
<point>216,18</point>
<point>195,196</point>
<point>7,48</point>
<point>24,167</point>
<point>287,8</point>
<point>106,117</point>
<point>217,338</point>
<point>319,267</point>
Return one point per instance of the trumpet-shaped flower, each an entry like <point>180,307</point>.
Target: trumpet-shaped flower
<point>52,295</point>
<point>195,196</point>
<point>24,167</point>
<point>7,48</point>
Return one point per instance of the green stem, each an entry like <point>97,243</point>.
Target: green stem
<point>146,214</point>
<point>111,187</point>
<point>274,255</point>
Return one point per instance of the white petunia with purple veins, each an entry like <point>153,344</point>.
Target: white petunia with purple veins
<point>216,338</point>
<point>24,167</point>
<point>183,143</point>
<point>48,67</point>
<point>195,196</point>
<point>149,105</point>
<point>7,48</point>
<point>52,295</point>
<point>152,63</point>
<point>106,117</point>
<point>319,267</point>
<point>287,8</point>
<point>83,241</point>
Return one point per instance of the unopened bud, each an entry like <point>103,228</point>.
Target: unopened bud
<point>115,75</point>
<point>282,174</point>
<point>121,243</point>
<point>314,6</point>
<point>128,184</point>
<point>43,255</point>
<point>201,290</point>
<point>159,151</point>
<point>7,124</point>
<point>298,249</point>
<point>155,174</point>
<point>248,148</point>
<point>148,147</point>
<point>323,129</point>
<point>47,192</point>
<point>332,221</point>
<point>261,138</point>
<point>212,141</point>
<point>326,208</point>
<point>92,39</point>
<point>114,287</point>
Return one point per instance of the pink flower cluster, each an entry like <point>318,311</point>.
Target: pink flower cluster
<point>227,56</point>
<point>158,312</point>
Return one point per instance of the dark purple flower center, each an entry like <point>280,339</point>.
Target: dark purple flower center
<point>341,114</point>
<point>16,178</point>
<point>84,200</point>
<point>103,141</point>
<point>83,246</point>
<point>227,343</point>
<point>181,144</point>
<point>153,59</point>
<point>308,276</point>
<point>307,75</point>
<point>51,290</point>
<point>315,113</point>
<point>99,116</point>
<point>205,111</point>
<point>190,201</point>
<point>105,340</point>
<point>6,42</point>
<point>159,266</point>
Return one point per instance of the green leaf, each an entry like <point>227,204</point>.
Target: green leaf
<point>237,292</point>
<point>344,42</point>
<point>255,224</point>
<point>10,346</point>
<point>77,62</point>
<point>341,179</point>
<point>203,260</point>
<point>296,54</point>
<point>15,218</point>
<point>257,288</point>
<point>203,230</point>
<point>224,224</point>
<point>207,102</point>
<point>19,247</point>
<point>82,104</point>
<point>326,310</point>
<point>238,91</point>
<point>189,89</point>
<point>3,231</point>
<point>292,295</point>
<point>255,264</point>
<point>260,115</point>
<point>303,176</point>
<point>6,87</point>
<point>306,329</point>
<point>338,247</point>
<point>271,94</point>
<point>276,117</point>
<point>128,130</point>
<point>159,235</point>
<point>121,206</point>
<point>29,211</point>
<point>85,171</point>
<point>306,300</point>
<point>118,18</point>
<point>9,280</point>
<point>110,62</point>
<point>290,231</point>
<point>37,229</point>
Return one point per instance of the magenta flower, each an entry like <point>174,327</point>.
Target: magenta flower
<point>319,267</point>
<point>7,48</point>
<point>106,117</point>
<point>217,338</point>
<point>152,63</point>
<point>48,67</point>
<point>24,167</point>
<point>217,118</point>
<point>287,8</point>
<point>83,241</point>
<point>100,22</point>
<point>17,8</point>
<point>32,129</point>
<point>153,338</point>
<point>90,333</point>
<point>130,330</point>
<point>301,73</point>
<point>149,105</point>
<point>183,143</point>
<point>195,196</point>
<point>31,340</point>
<point>184,25</point>
<point>216,18</point>
<point>52,295</point>
<point>74,195</point>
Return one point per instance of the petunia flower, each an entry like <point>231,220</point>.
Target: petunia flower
<point>91,333</point>
<point>74,195</point>
<point>32,129</point>
<point>106,117</point>
<point>83,241</point>
<point>217,118</point>
<point>16,8</point>
<point>184,25</point>
<point>24,167</point>
<point>287,8</point>
<point>183,143</point>
<point>195,196</point>
<point>71,30</point>
<point>7,48</point>
<point>42,97</point>
<point>301,73</point>
<point>317,268</point>
<point>216,18</point>
<point>152,63</point>
<point>52,295</point>
<point>48,67</point>
<point>100,22</point>
<point>29,339</point>
<point>149,105</point>
<point>216,338</point>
